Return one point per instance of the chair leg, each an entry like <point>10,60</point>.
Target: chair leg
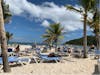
<point>56,61</point>
<point>1,67</point>
<point>19,62</point>
<point>61,61</point>
<point>35,60</point>
<point>41,61</point>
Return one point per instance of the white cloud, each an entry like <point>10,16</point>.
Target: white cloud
<point>45,23</point>
<point>48,10</point>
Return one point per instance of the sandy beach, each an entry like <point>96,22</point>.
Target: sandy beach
<point>69,66</point>
<point>49,37</point>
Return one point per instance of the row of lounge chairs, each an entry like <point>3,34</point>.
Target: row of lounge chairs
<point>24,60</point>
<point>40,57</point>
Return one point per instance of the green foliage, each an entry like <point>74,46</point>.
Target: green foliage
<point>87,4</point>
<point>90,40</point>
<point>53,34</point>
<point>6,12</point>
<point>8,36</point>
<point>94,21</point>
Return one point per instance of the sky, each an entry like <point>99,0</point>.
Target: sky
<point>30,18</point>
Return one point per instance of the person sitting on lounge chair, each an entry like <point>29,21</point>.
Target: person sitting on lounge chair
<point>69,51</point>
<point>92,47</point>
<point>17,49</point>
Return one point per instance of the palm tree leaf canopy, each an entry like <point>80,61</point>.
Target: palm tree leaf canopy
<point>6,12</point>
<point>53,33</point>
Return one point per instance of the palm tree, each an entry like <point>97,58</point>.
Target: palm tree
<point>87,5</point>
<point>53,34</point>
<point>6,12</point>
<point>8,36</point>
<point>95,25</point>
<point>6,66</point>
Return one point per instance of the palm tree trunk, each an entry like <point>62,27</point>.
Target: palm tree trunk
<point>6,67</point>
<point>7,41</point>
<point>56,44</point>
<point>97,40</point>
<point>85,37</point>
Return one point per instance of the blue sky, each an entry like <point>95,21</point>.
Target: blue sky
<point>31,18</point>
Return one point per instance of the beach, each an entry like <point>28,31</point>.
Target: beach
<point>69,66</point>
<point>49,37</point>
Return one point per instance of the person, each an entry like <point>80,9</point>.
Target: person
<point>92,47</point>
<point>58,49</point>
<point>17,49</point>
<point>33,46</point>
<point>64,49</point>
<point>69,51</point>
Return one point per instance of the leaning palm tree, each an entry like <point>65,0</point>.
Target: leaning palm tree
<point>53,34</point>
<point>87,5</point>
<point>8,36</point>
<point>3,41</point>
<point>48,39</point>
<point>95,25</point>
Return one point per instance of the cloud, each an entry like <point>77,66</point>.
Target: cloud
<point>45,23</point>
<point>48,10</point>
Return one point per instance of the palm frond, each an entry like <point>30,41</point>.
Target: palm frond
<point>69,7</point>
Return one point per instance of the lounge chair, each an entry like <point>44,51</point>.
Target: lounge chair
<point>77,53</point>
<point>45,57</point>
<point>97,53</point>
<point>24,60</point>
<point>11,59</point>
<point>17,60</point>
<point>1,63</point>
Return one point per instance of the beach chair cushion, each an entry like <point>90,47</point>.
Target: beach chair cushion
<point>45,57</point>
<point>11,59</point>
<point>0,60</point>
<point>97,52</point>
<point>24,60</point>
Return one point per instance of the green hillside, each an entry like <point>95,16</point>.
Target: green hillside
<point>79,41</point>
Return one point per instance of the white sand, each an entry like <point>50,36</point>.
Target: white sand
<point>70,66</point>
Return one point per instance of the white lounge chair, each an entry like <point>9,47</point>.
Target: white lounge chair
<point>97,53</point>
<point>44,57</point>
<point>10,60</point>
<point>24,60</point>
<point>16,60</point>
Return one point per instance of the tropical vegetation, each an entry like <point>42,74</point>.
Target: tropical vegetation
<point>86,6</point>
<point>53,34</point>
<point>90,41</point>
<point>4,14</point>
<point>8,36</point>
<point>95,25</point>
